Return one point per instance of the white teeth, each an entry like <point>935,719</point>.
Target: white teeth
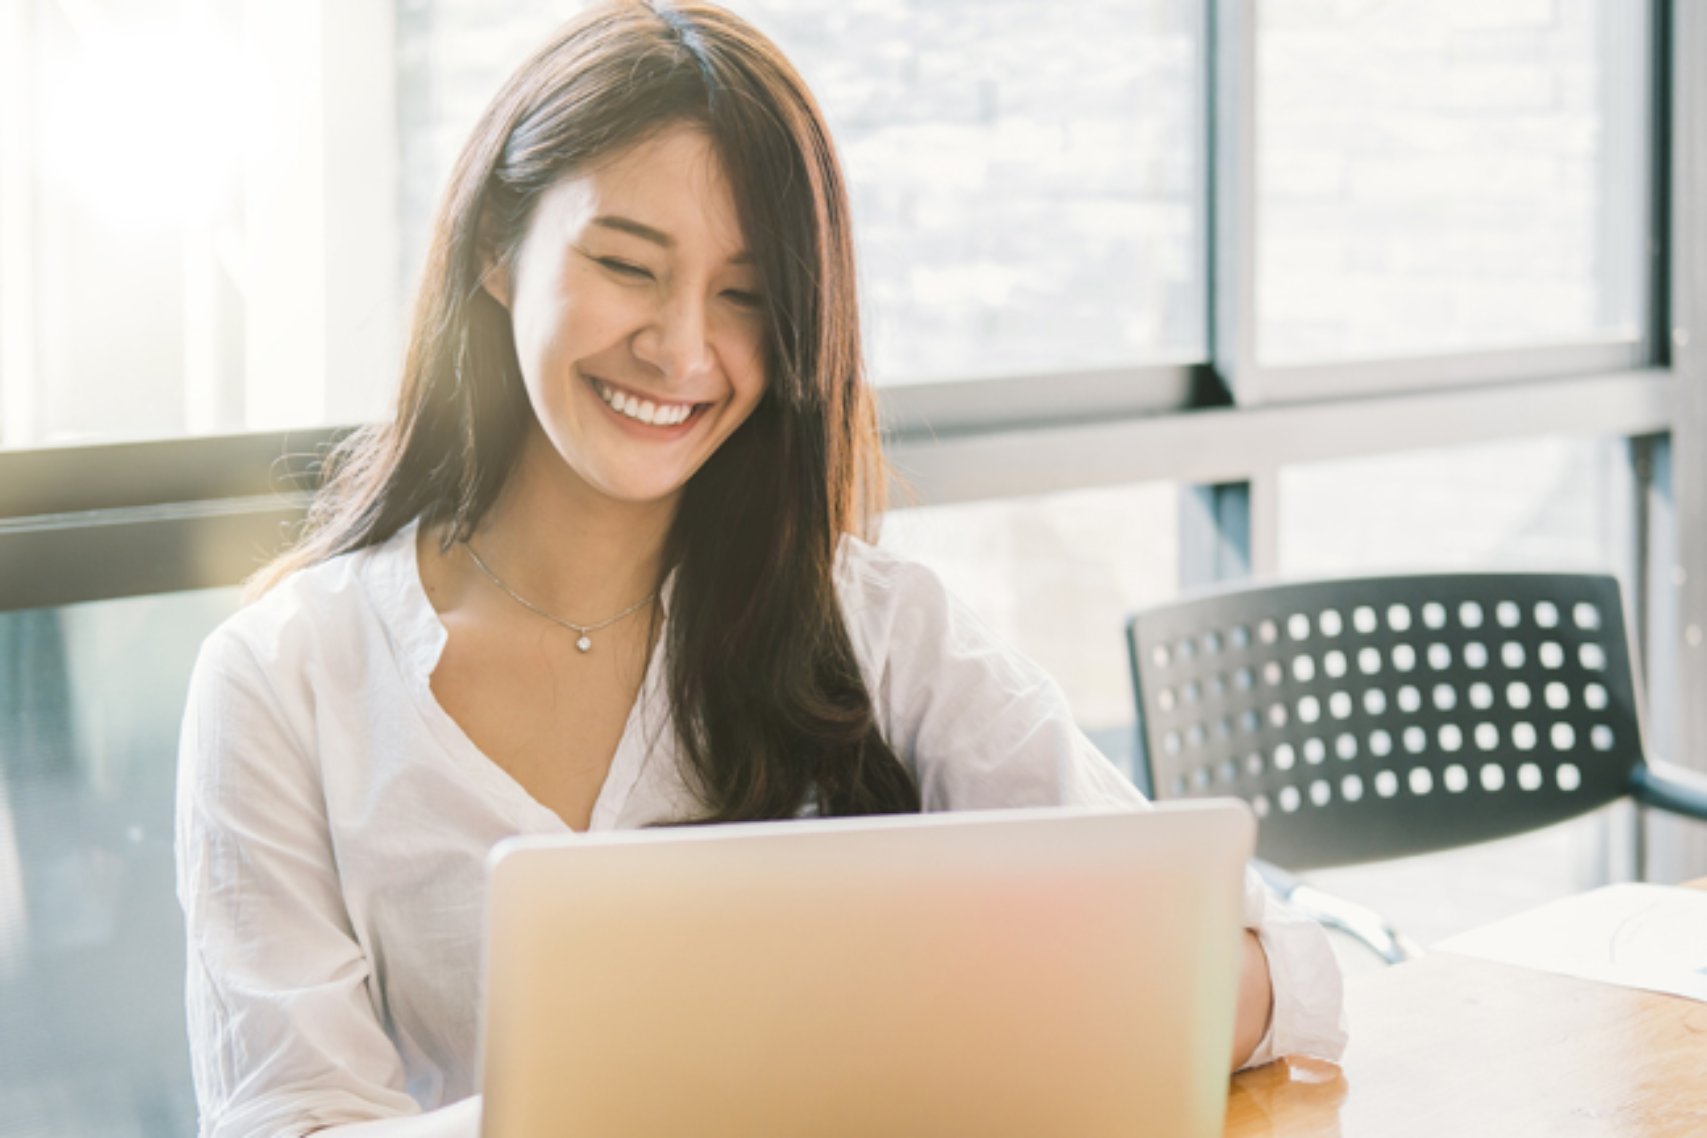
<point>644,410</point>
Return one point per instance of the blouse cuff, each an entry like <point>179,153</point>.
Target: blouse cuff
<point>1309,991</point>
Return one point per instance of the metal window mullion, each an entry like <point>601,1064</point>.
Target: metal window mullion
<point>1614,851</point>
<point>1663,621</point>
<point>1304,383</point>
<point>1689,360</point>
<point>1626,172</point>
<point>1215,524</point>
<point>1234,444</point>
<point>957,407</point>
<point>1214,534</point>
<point>1265,523</point>
<point>1232,58</point>
<point>1676,850</point>
<point>1657,235</point>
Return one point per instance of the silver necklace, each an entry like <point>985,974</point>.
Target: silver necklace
<point>583,632</point>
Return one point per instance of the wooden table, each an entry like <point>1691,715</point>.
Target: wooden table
<point>1454,1047</point>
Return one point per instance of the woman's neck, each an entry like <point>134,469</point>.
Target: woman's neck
<point>567,548</point>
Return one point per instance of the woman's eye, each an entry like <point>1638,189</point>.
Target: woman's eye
<point>625,269</point>
<point>743,298</point>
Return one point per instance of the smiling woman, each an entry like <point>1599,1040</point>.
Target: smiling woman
<point>651,205</point>
<point>605,568</point>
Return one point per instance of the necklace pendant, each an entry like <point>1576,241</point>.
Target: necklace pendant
<point>585,644</point>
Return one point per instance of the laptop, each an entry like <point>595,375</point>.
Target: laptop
<point>1003,974</point>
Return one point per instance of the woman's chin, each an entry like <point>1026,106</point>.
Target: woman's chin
<point>635,489</point>
<point>607,472</point>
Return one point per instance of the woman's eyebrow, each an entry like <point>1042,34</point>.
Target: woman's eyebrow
<point>638,229</point>
<point>656,236</point>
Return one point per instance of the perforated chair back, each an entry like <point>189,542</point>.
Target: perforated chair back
<point>1381,717</point>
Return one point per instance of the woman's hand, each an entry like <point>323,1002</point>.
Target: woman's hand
<point>1256,999</point>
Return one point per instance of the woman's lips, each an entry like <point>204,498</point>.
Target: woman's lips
<point>637,410</point>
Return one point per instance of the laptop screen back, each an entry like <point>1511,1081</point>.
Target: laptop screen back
<point>993,974</point>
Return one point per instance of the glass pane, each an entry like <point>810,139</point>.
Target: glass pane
<point>1447,175</point>
<point>1056,576</point>
<point>1029,201</point>
<point>91,938</point>
<point>1538,505</point>
<point>190,243</point>
<point>1026,200</point>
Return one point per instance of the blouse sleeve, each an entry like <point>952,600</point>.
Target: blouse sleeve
<point>284,1034</point>
<point>982,726</point>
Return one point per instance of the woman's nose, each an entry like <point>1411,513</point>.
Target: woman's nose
<point>677,341</point>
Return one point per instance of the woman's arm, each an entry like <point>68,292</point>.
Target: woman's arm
<point>284,1036</point>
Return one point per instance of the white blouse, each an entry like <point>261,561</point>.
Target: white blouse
<point>334,822</point>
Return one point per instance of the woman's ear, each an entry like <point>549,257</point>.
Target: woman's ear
<point>494,264</point>
<point>495,279</point>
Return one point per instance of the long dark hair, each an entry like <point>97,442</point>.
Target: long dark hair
<point>771,711</point>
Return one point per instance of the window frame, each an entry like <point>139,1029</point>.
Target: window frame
<point>201,512</point>
<point>1235,204</point>
<point>88,523</point>
<point>1683,641</point>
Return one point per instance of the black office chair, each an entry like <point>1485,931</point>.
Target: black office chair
<point>1387,716</point>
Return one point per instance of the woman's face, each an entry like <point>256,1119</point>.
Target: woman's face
<point>637,317</point>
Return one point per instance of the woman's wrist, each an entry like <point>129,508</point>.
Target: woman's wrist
<point>1255,999</point>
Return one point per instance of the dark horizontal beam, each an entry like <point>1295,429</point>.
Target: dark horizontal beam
<point>912,412</point>
<point>119,476</point>
<point>131,544</point>
<point>66,559</point>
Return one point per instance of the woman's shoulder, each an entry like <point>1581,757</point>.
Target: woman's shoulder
<point>311,609</point>
<point>874,580</point>
<point>898,608</point>
<point>894,603</point>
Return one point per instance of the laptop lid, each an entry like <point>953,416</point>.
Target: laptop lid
<point>1010,973</point>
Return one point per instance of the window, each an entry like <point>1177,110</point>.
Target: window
<point>91,938</point>
<point>1027,195</point>
<point>1056,575</point>
<point>197,219</point>
<point>1026,184</point>
<point>1448,176</point>
<point>238,197</point>
<point>212,213</point>
<point>1535,504</point>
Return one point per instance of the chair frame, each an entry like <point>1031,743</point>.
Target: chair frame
<point>1381,717</point>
